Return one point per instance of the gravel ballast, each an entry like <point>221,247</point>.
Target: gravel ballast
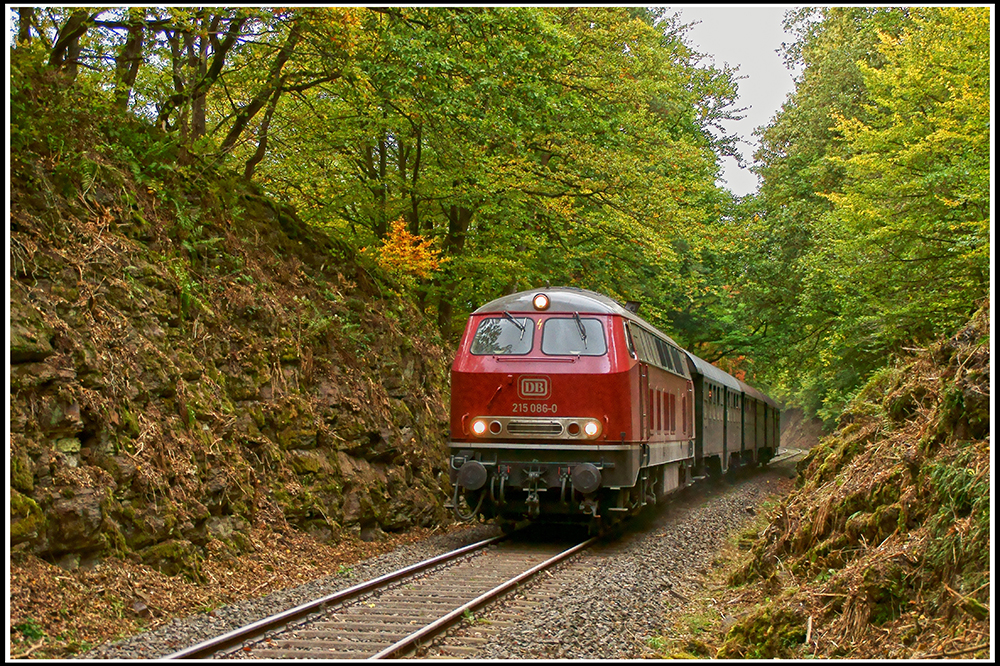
<point>611,608</point>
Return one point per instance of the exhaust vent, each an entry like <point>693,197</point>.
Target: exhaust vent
<point>543,428</point>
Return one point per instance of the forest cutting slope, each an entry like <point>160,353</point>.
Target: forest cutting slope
<point>188,359</point>
<point>883,549</point>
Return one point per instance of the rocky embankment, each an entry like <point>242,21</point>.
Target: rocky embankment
<point>189,360</point>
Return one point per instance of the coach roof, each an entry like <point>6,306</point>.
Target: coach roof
<point>754,393</point>
<point>705,368</point>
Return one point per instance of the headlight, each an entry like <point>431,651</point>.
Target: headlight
<point>478,426</point>
<point>540,301</point>
<point>592,428</point>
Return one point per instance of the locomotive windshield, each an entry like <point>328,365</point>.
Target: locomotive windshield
<point>574,335</point>
<point>508,335</point>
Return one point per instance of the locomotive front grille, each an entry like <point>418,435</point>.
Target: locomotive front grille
<point>581,428</point>
<point>538,428</point>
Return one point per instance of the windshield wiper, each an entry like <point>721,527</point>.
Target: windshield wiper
<point>583,331</point>
<point>516,323</point>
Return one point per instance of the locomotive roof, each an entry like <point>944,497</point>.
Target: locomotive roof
<point>713,373</point>
<point>574,299</point>
<point>571,299</point>
<point>568,299</point>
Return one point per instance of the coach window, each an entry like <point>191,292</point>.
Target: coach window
<point>573,335</point>
<point>676,355</point>
<point>497,335</point>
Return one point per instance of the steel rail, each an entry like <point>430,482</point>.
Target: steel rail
<point>445,621</point>
<point>237,636</point>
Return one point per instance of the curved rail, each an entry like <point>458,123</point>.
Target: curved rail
<point>250,631</point>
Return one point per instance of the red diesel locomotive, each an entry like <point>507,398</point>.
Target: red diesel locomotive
<point>568,407</point>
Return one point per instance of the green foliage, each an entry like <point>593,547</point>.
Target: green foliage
<point>870,231</point>
<point>962,493</point>
<point>475,128</point>
<point>564,145</point>
<point>30,629</point>
<point>530,145</point>
<point>769,633</point>
<point>29,519</point>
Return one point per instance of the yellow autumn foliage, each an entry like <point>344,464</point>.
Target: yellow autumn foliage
<point>408,254</point>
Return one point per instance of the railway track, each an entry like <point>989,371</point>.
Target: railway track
<point>391,616</point>
<point>408,612</point>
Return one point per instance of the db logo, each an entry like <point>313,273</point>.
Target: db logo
<point>534,387</point>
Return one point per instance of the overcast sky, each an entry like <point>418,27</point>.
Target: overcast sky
<point>747,36</point>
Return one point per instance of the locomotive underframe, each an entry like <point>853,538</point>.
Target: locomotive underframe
<point>535,479</point>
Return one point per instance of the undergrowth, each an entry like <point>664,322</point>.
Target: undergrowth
<point>882,550</point>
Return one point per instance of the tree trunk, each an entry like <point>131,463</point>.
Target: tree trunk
<point>199,62</point>
<point>247,113</point>
<point>183,95</point>
<point>459,218</point>
<point>373,166</point>
<point>262,136</point>
<point>383,187</point>
<point>177,77</point>
<point>66,51</point>
<point>127,65</point>
<point>445,311</point>
<point>414,198</point>
<point>25,19</point>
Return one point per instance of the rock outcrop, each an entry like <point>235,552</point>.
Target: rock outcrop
<point>188,357</point>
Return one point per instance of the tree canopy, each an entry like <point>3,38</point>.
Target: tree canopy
<point>870,232</point>
<point>473,151</point>
<point>565,145</point>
